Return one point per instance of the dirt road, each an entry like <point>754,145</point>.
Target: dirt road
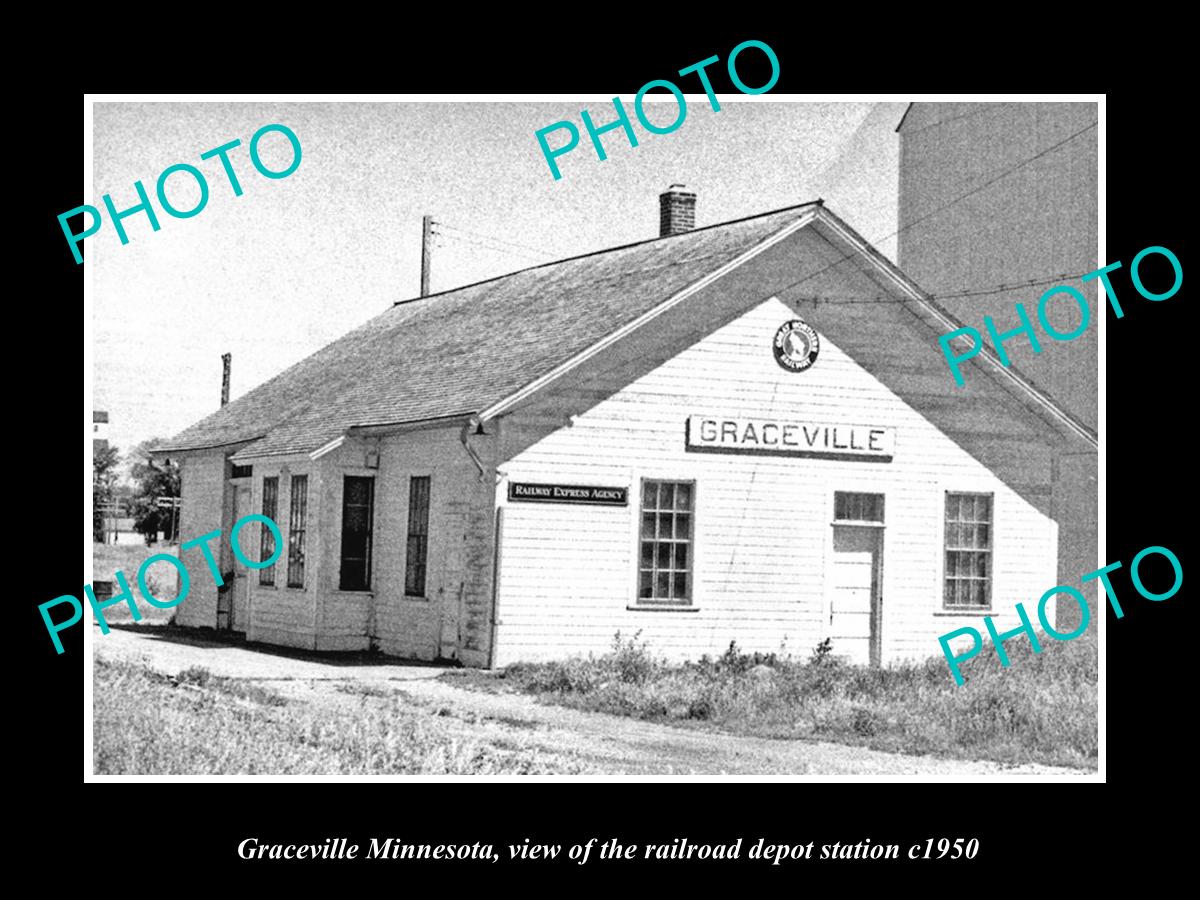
<point>601,743</point>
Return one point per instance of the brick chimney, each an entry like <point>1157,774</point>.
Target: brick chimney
<point>676,210</point>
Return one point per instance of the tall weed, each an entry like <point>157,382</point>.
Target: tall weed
<point>1041,709</point>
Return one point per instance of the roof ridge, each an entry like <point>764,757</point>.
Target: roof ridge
<point>820,201</point>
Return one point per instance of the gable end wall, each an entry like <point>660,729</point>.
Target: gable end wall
<point>763,533</point>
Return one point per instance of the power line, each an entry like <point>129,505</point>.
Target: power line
<point>514,244</point>
<point>486,237</point>
<point>949,295</point>
<point>525,257</point>
<point>1080,429</point>
<point>987,107</point>
<point>1004,173</point>
<point>1001,175</point>
<point>996,178</point>
<point>497,247</point>
<point>494,247</point>
<point>1002,288</point>
<point>959,199</point>
<point>1061,414</point>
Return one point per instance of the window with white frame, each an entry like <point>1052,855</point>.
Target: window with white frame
<point>665,553</point>
<point>968,547</point>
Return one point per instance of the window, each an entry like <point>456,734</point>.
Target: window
<point>358,512</point>
<point>849,507</point>
<point>418,536</point>
<point>664,572</point>
<point>968,579</point>
<point>296,529</point>
<point>266,549</point>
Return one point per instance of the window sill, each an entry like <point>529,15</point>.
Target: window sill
<point>409,598</point>
<point>353,591</point>
<point>973,611</point>
<point>661,607</point>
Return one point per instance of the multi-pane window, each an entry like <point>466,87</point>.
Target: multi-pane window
<point>358,513</point>
<point>296,528</point>
<point>270,509</point>
<point>968,583</point>
<point>664,570</point>
<point>851,507</point>
<point>418,536</point>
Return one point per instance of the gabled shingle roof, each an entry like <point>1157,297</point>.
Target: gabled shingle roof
<point>461,351</point>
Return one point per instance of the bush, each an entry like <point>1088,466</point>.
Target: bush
<point>866,722</point>
<point>735,661</point>
<point>1043,708</point>
<point>822,653</point>
<point>631,661</point>
<point>197,675</point>
<point>568,676</point>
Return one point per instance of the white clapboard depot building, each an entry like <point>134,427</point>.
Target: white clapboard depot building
<point>741,432</point>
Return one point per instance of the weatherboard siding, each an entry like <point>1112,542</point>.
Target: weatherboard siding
<point>763,535</point>
<point>452,618</point>
<point>202,480</point>
<point>343,617</point>
<point>280,614</point>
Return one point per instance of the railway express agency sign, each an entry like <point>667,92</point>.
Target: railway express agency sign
<point>591,495</point>
<point>790,437</point>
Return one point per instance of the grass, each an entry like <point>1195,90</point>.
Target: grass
<point>161,578</point>
<point>199,724</point>
<point>364,690</point>
<point>1042,709</point>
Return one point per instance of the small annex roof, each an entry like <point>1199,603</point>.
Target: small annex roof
<point>472,350</point>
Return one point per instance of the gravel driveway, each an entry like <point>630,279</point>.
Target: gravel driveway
<point>602,743</point>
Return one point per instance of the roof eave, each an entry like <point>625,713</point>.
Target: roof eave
<point>413,425</point>
<point>169,450</point>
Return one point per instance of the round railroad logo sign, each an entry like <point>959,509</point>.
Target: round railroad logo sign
<point>796,345</point>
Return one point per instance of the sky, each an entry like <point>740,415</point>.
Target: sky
<point>275,274</point>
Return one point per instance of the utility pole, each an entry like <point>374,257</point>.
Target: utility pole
<point>426,252</point>
<point>226,359</point>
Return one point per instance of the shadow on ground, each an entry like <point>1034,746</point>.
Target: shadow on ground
<point>210,637</point>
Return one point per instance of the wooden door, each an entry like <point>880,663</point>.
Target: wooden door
<point>240,588</point>
<point>855,611</point>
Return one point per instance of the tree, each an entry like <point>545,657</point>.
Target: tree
<point>151,481</point>
<point>104,482</point>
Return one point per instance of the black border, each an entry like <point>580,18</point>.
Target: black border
<point>1029,835</point>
